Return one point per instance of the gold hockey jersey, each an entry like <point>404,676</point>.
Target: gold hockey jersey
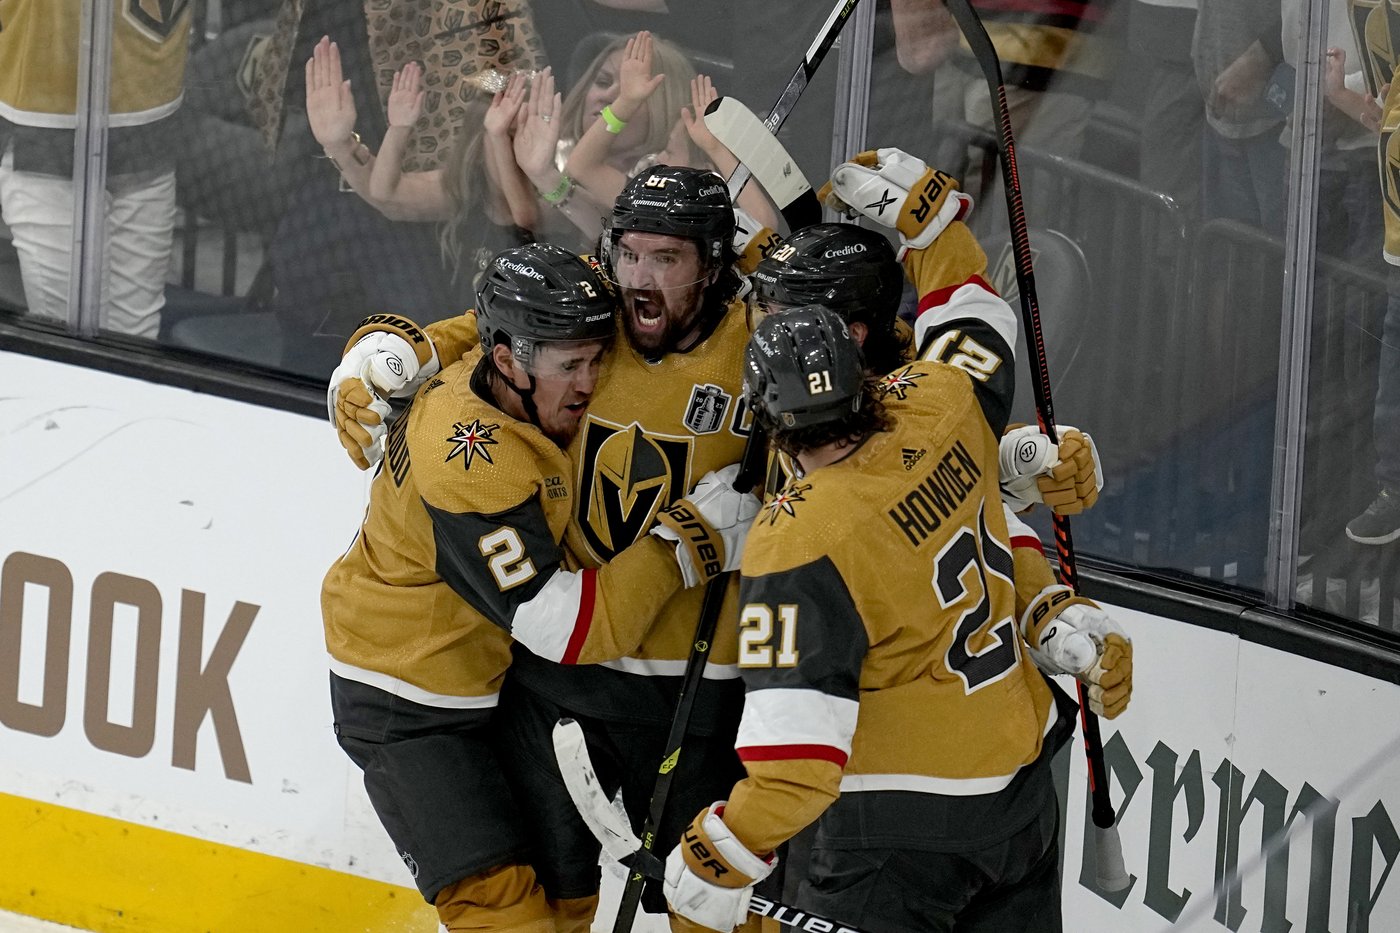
<point>461,546</point>
<point>39,48</point>
<point>879,639</point>
<point>653,429</point>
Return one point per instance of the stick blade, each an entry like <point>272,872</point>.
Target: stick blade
<point>743,133</point>
<point>591,801</point>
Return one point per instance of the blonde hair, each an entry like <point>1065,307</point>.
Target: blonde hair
<point>663,108</point>
<point>465,182</point>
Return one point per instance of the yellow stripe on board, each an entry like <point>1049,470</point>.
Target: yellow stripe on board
<point>107,875</point>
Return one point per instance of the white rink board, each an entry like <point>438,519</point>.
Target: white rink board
<point>1218,718</point>
<point>103,474</point>
<point>106,474</point>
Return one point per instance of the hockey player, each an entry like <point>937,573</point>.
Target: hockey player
<point>460,546</point>
<point>914,725</point>
<point>853,271</point>
<point>669,401</point>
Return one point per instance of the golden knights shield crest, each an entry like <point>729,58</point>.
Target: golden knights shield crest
<point>625,476</point>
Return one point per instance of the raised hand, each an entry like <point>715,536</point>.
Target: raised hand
<point>330,108</point>
<point>537,137</point>
<point>702,94</point>
<point>635,80</point>
<point>501,116</point>
<point>406,98</point>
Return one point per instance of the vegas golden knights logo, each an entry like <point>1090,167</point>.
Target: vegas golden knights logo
<point>157,18</point>
<point>625,477</point>
<point>705,413</point>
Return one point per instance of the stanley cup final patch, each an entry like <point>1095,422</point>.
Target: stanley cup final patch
<point>705,413</point>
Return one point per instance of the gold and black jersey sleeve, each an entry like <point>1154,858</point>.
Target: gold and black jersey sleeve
<point>962,321</point>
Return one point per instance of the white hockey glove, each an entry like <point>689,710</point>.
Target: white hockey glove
<point>388,357</point>
<point>710,875</point>
<point>1067,477</point>
<point>897,190</point>
<point>1068,634</point>
<point>709,526</point>
<point>752,241</point>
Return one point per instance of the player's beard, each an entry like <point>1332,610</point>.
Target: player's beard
<point>676,324</point>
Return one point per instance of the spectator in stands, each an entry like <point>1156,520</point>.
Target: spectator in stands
<point>39,55</point>
<point>1380,522</point>
<point>1055,63</point>
<point>1238,51</point>
<point>333,257</point>
<point>1173,114</point>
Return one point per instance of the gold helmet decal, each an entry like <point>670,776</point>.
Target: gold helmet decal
<point>625,477</point>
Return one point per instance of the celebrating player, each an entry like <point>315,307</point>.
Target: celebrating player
<point>913,724</point>
<point>460,546</point>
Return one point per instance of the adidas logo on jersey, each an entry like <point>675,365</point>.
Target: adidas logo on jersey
<point>911,457</point>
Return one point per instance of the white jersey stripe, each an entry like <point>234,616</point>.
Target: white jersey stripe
<point>971,300</point>
<point>546,622</point>
<point>402,688</point>
<point>655,667</point>
<point>796,716</point>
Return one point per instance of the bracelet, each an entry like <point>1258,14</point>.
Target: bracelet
<point>561,190</point>
<point>360,153</point>
<point>614,124</point>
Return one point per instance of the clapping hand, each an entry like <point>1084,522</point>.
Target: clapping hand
<point>406,98</point>
<point>330,108</point>
<point>537,135</point>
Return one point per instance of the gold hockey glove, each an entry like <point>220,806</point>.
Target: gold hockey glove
<point>1066,477</point>
<point>1068,634</point>
<point>710,875</point>
<point>709,526</point>
<point>896,189</point>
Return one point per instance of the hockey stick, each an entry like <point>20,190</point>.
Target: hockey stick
<point>750,466</point>
<point>1112,875</point>
<point>804,211</point>
<point>611,829</point>
<point>743,134</point>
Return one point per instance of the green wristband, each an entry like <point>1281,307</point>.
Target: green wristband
<point>614,124</point>
<point>561,190</point>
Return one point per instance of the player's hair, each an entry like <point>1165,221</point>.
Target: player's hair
<point>846,430</point>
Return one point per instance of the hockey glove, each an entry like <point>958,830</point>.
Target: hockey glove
<point>1068,634</point>
<point>387,356</point>
<point>897,190</point>
<point>752,241</point>
<point>709,526</point>
<point>710,875</point>
<point>1033,469</point>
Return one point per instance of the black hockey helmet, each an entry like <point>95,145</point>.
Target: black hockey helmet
<point>541,294</point>
<point>843,267</point>
<point>802,367</point>
<point>678,201</point>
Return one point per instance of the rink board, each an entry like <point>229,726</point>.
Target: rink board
<point>169,762</point>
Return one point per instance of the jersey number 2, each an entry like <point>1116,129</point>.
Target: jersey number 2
<point>975,555</point>
<point>506,557</point>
